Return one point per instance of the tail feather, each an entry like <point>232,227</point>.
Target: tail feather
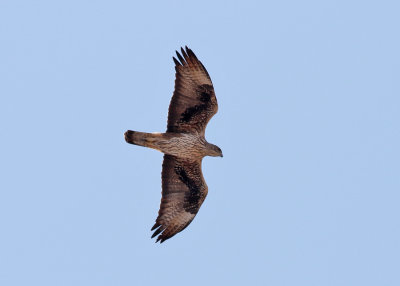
<point>141,138</point>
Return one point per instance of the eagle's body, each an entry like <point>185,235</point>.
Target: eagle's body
<point>190,146</point>
<point>184,145</point>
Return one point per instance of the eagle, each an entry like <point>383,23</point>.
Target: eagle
<point>184,145</point>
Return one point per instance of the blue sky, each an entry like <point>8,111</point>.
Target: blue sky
<point>307,192</point>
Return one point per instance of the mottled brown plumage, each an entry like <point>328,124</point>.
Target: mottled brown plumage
<point>183,186</point>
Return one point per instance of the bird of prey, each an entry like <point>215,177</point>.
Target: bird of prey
<point>183,187</point>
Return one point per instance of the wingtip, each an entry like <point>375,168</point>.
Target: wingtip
<point>177,63</point>
<point>157,232</point>
<point>191,54</point>
<point>185,55</point>
<point>181,59</point>
<point>155,226</point>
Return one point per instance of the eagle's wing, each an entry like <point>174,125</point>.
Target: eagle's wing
<point>183,192</point>
<point>193,102</point>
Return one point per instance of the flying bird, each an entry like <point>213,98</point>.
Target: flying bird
<point>183,186</point>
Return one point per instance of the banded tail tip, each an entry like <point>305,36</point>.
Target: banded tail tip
<point>128,136</point>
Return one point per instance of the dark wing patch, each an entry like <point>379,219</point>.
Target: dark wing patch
<point>192,196</point>
<point>183,192</point>
<point>193,102</point>
<point>192,112</point>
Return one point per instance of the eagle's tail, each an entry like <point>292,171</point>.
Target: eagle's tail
<point>142,138</point>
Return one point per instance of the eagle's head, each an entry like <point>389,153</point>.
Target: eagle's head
<point>214,150</point>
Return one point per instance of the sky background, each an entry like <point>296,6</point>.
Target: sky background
<point>309,98</point>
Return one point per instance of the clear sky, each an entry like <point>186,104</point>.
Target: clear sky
<point>307,193</point>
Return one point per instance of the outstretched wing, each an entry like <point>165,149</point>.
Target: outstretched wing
<point>193,102</point>
<point>183,192</point>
